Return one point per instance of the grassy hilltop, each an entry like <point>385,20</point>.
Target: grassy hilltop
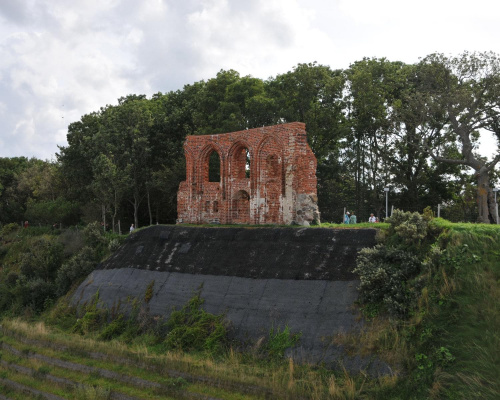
<point>429,293</point>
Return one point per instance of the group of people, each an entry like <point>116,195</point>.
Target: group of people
<point>349,219</point>
<point>352,219</point>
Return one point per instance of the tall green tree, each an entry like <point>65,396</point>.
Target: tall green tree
<point>109,185</point>
<point>12,203</point>
<point>76,158</point>
<point>372,87</point>
<point>40,180</point>
<point>313,93</point>
<point>458,98</point>
<point>125,135</point>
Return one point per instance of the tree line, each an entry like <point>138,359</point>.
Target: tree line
<point>411,127</point>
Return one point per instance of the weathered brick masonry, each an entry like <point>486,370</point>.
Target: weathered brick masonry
<point>277,187</point>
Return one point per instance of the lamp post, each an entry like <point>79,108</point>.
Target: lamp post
<point>495,190</point>
<point>386,190</point>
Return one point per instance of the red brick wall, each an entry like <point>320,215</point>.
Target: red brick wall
<point>282,166</point>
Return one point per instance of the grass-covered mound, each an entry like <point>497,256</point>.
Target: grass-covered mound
<point>429,292</point>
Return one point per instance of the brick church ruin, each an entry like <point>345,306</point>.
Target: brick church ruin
<point>257,176</point>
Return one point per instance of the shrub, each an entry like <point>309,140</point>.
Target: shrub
<point>384,273</point>
<point>94,235</point>
<point>79,266</point>
<point>72,240</point>
<point>11,279</point>
<point>278,342</point>
<point>37,294</point>
<point>90,322</point>
<point>3,251</point>
<point>192,328</point>
<point>6,298</point>
<point>9,228</point>
<point>149,292</point>
<point>409,226</point>
<point>93,318</point>
<point>114,329</point>
<point>63,315</point>
<point>42,259</point>
<point>114,244</point>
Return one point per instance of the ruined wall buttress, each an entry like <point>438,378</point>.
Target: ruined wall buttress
<point>265,176</point>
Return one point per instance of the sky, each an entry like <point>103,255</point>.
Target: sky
<point>61,59</point>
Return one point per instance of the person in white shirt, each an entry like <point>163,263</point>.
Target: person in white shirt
<point>372,218</point>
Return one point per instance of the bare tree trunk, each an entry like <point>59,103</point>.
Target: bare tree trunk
<point>485,208</point>
<point>137,199</point>
<point>115,211</point>
<point>104,217</point>
<point>149,208</point>
<point>136,208</point>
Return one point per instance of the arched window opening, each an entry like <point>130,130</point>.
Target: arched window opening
<point>240,163</point>
<point>214,167</point>
<point>247,163</point>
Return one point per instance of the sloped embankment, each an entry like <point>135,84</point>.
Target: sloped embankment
<point>259,277</point>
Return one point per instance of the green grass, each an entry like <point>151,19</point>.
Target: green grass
<point>88,380</point>
<point>451,345</point>
<point>34,383</point>
<point>469,317</point>
<point>448,349</point>
<point>323,225</point>
<point>230,377</point>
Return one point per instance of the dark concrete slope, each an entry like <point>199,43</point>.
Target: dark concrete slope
<point>264,253</point>
<point>260,278</point>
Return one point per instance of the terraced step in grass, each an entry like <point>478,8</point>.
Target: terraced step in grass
<point>122,364</point>
<point>44,368</point>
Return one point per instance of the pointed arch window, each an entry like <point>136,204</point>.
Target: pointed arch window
<point>247,163</point>
<point>240,163</point>
<point>214,167</point>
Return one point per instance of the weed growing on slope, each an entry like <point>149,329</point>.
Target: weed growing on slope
<point>278,342</point>
<point>193,329</point>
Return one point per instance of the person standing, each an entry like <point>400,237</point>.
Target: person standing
<point>353,219</point>
<point>132,228</point>
<point>372,218</point>
<point>347,218</point>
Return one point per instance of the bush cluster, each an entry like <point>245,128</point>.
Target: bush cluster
<point>389,272</point>
<point>77,267</point>
<point>384,273</point>
<point>188,329</point>
<point>193,329</point>
<point>411,227</point>
<point>9,228</point>
<point>42,263</point>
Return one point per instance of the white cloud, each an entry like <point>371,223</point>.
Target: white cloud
<point>382,12</point>
<point>60,59</point>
